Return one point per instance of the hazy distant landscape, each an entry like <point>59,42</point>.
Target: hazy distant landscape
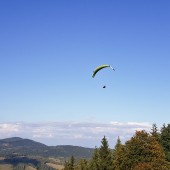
<point>17,152</point>
<point>28,147</point>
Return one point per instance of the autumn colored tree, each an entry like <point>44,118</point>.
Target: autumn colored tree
<point>143,166</point>
<point>143,150</point>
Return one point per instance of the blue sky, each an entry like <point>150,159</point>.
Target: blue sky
<point>49,49</point>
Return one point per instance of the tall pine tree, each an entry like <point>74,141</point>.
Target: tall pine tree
<point>154,132</point>
<point>95,161</point>
<point>105,155</point>
<point>118,155</point>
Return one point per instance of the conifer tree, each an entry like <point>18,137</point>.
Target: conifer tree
<point>95,161</point>
<point>154,132</point>
<point>105,155</point>
<point>69,165</point>
<point>72,162</point>
<point>118,156</point>
<point>82,165</point>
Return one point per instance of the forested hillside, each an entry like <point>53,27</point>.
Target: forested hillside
<point>25,154</point>
<point>27,147</point>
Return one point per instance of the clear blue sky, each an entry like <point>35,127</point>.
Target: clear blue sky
<point>48,50</point>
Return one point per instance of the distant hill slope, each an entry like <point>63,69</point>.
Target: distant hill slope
<point>27,147</point>
<point>20,142</point>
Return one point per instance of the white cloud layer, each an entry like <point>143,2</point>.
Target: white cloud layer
<point>86,134</point>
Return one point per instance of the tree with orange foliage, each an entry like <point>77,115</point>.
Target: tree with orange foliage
<point>143,151</point>
<point>142,166</point>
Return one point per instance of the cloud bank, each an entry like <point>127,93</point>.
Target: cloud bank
<point>85,134</point>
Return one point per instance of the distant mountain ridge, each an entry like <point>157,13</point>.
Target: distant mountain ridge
<point>27,147</point>
<point>20,142</point>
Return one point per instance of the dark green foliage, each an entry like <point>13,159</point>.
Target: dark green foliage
<point>15,160</point>
<point>154,132</point>
<point>95,161</point>
<point>118,155</point>
<point>70,165</point>
<point>82,165</point>
<point>20,163</point>
<point>165,140</point>
<point>101,159</point>
<point>105,155</point>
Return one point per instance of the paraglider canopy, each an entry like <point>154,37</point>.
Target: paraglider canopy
<point>101,67</point>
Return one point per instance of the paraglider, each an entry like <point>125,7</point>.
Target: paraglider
<point>100,68</point>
